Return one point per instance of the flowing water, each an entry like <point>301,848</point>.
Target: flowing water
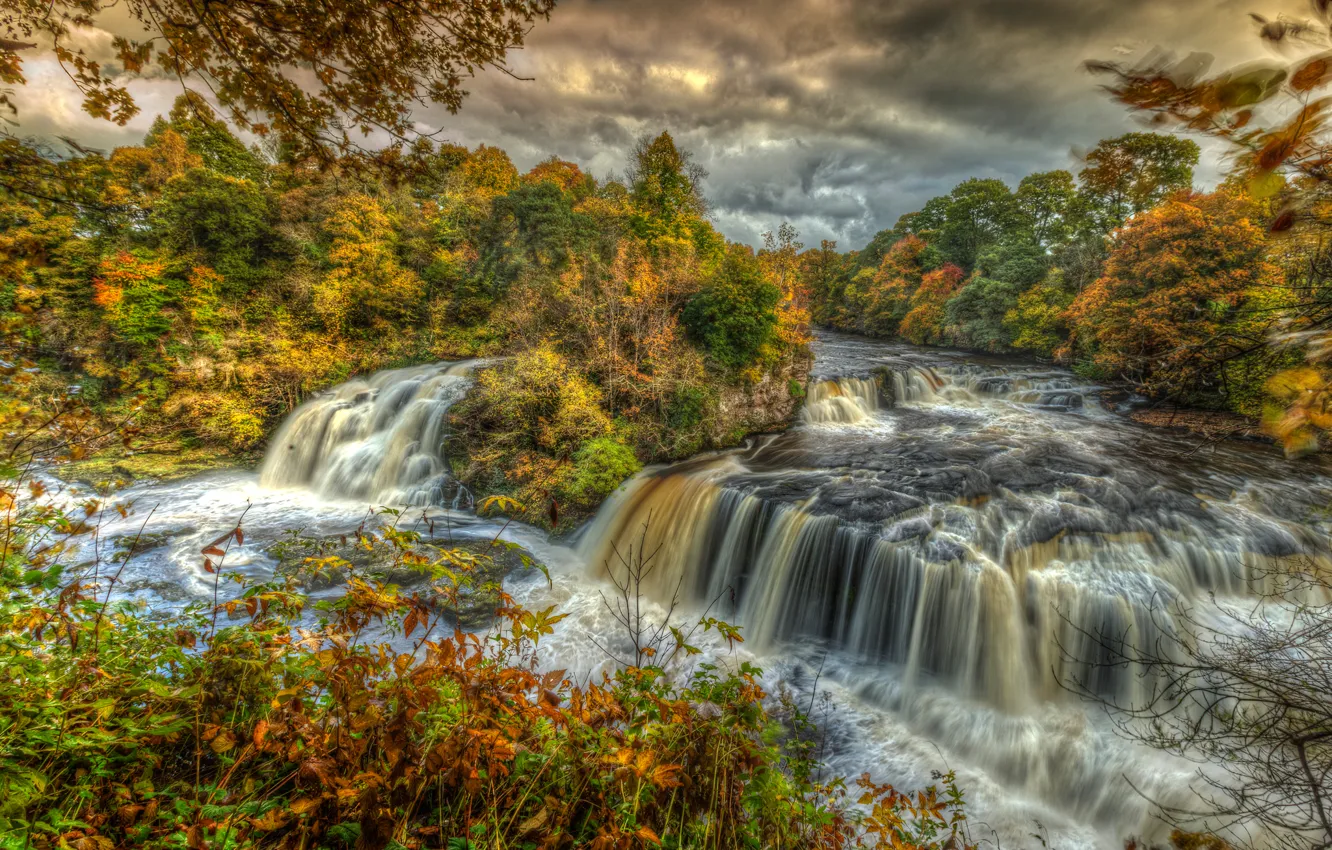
<point>935,543</point>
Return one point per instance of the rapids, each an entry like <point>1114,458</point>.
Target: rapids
<point>933,542</point>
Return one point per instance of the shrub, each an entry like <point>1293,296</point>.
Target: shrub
<point>599,467</point>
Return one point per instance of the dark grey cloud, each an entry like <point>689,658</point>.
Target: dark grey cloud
<point>836,115</point>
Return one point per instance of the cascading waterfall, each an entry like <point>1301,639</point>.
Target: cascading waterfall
<point>840,401</point>
<point>381,438</point>
<point>1002,577</point>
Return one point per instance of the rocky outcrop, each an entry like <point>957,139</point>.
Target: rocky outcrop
<point>755,408</point>
<point>478,594</point>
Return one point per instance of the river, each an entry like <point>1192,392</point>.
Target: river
<point>933,542</point>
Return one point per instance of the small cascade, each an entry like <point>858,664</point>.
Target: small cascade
<point>971,385</point>
<point>380,439</point>
<point>916,385</point>
<point>840,401</point>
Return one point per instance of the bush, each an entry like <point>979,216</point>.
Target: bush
<point>599,467</point>
<point>125,729</point>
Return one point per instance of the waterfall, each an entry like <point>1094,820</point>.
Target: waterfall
<point>963,559</point>
<point>381,439</point>
<point>842,401</point>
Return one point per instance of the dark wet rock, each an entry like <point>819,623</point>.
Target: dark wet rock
<point>478,593</point>
<point>944,550</point>
<point>910,529</point>
<point>137,544</point>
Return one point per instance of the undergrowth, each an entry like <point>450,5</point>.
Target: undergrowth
<point>257,718</point>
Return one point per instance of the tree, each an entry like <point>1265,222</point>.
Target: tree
<point>1133,173</point>
<point>1163,314</point>
<point>1272,117</point>
<point>228,220</point>
<point>368,62</point>
<point>735,313</point>
<point>367,286</point>
<point>924,323</point>
<point>872,254</point>
<point>1046,206</point>
<point>780,259</point>
<point>134,294</point>
<point>1037,321</point>
<point>666,188</point>
<point>207,137</point>
<point>926,222</point>
<point>975,316</point>
<point>885,299</point>
<point>823,276</point>
<point>980,212</point>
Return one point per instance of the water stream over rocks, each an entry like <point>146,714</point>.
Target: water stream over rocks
<point>936,539</point>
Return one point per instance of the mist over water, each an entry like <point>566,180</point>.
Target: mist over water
<point>935,541</point>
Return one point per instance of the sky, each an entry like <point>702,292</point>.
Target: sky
<point>837,116</point>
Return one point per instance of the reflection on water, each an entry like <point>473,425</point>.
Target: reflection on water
<point>936,540</point>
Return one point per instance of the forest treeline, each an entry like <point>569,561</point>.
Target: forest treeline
<point>1126,272</point>
<point>201,289</point>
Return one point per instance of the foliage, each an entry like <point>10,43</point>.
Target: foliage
<point>367,287</point>
<point>1112,272</point>
<point>733,314</point>
<point>256,719</point>
<point>977,214</point>
<point>214,289</point>
<point>388,58</point>
<point>1036,322</point>
<point>1272,117</point>
<point>1133,173</point>
<point>1047,206</point>
<point>600,466</point>
<point>1176,282</point>
<point>976,315</point>
<point>667,188</point>
<point>924,322</point>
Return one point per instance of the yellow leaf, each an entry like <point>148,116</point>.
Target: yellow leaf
<point>535,822</point>
<point>304,805</point>
<point>224,741</point>
<point>270,820</point>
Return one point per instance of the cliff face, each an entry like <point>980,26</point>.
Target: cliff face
<point>755,408</point>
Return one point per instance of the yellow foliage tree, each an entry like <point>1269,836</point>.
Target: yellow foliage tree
<point>368,287</point>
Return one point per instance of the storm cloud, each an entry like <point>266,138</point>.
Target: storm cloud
<point>834,115</point>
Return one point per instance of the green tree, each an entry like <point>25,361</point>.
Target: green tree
<point>1046,205</point>
<point>1132,173</point>
<point>229,221</point>
<point>975,316</point>
<point>980,212</point>
<point>207,136</point>
<point>666,188</point>
<point>733,316</point>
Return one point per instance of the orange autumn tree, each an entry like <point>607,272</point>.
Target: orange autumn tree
<point>924,323</point>
<point>887,299</point>
<point>1167,314</point>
